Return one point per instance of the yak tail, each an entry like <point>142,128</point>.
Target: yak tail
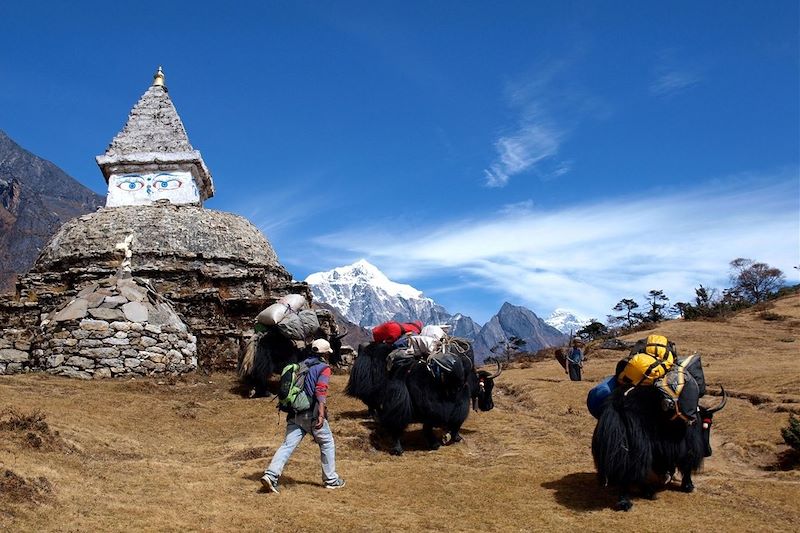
<point>245,366</point>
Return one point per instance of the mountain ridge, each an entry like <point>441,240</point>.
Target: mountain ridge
<point>362,294</point>
<point>36,198</point>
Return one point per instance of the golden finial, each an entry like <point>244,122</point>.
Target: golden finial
<point>158,78</point>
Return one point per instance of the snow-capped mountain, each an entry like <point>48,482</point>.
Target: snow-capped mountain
<point>365,296</point>
<point>565,321</point>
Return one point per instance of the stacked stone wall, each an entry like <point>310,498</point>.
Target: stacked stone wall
<point>92,348</point>
<point>15,350</point>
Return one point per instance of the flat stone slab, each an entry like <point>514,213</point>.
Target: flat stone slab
<point>75,310</point>
<point>10,355</point>
<point>135,312</point>
<point>104,313</point>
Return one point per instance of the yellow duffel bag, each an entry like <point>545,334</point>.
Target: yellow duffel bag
<point>642,369</point>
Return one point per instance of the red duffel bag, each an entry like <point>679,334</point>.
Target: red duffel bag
<point>389,332</point>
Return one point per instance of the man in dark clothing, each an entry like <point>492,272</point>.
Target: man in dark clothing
<point>313,420</point>
<point>575,362</point>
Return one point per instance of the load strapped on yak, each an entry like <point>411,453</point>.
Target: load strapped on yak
<point>654,362</point>
<point>291,316</point>
<point>431,345</point>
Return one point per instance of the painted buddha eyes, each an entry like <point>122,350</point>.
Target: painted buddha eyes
<point>166,184</point>
<point>131,184</point>
<point>162,182</point>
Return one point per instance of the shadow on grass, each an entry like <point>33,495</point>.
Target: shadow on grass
<point>580,491</point>
<point>412,440</point>
<point>285,481</point>
<point>785,461</point>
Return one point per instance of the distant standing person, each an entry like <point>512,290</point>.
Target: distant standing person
<point>575,362</point>
<point>313,420</point>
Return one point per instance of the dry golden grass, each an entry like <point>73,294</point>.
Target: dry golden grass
<point>178,455</point>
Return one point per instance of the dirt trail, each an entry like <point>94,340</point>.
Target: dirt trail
<point>156,455</point>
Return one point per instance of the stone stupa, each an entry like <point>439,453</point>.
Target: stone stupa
<point>216,269</point>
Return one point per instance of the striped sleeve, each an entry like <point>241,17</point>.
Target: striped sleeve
<point>321,391</point>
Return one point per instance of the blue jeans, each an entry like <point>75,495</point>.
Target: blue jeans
<point>294,434</point>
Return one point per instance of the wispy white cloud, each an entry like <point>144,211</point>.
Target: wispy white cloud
<point>673,75</point>
<point>539,130</point>
<point>534,141</point>
<point>587,257</point>
<point>672,82</point>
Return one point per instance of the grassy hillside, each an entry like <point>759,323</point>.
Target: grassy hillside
<point>177,455</point>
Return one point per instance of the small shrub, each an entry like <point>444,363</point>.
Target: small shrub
<point>791,433</point>
<point>15,421</point>
<point>769,316</point>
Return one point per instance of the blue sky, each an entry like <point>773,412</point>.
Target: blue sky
<point>550,154</point>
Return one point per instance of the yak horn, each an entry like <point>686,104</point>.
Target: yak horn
<point>499,370</point>
<point>721,403</point>
<point>342,335</point>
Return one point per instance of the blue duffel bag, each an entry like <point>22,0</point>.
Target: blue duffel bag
<point>595,401</point>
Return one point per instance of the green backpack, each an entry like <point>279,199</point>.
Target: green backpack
<point>292,396</point>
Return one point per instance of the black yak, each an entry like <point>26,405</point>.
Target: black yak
<point>635,441</point>
<point>268,352</point>
<point>417,391</point>
<point>368,375</point>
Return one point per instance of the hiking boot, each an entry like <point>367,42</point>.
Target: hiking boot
<point>269,483</point>
<point>338,484</point>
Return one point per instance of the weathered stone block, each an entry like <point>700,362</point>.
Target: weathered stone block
<point>114,301</point>
<point>80,334</point>
<point>102,373</point>
<point>114,341</point>
<point>90,343</point>
<point>14,368</point>
<point>99,353</point>
<point>80,362</point>
<point>115,362</point>
<point>73,373</point>
<point>153,328</point>
<point>94,325</point>
<point>135,312</point>
<point>55,360</point>
<point>70,342</point>
<point>74,310</point>
<point>22,345</point>
<point>94,299</point>
<point>121,326</point>
<point>147,341</point>
<point>104,313</point>
<point>131,362</point>
<point>121,335</point>
<point>11,355</point>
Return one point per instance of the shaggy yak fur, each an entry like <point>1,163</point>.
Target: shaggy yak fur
<point>414,394</point>
<point>636,446</point>
<point>369,375</point>
<point>267,353</point>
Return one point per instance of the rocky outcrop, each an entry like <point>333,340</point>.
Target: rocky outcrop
<point>36,197</point>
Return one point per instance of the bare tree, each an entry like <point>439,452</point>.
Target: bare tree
<point>755,281</point>
<point>509,348</point>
